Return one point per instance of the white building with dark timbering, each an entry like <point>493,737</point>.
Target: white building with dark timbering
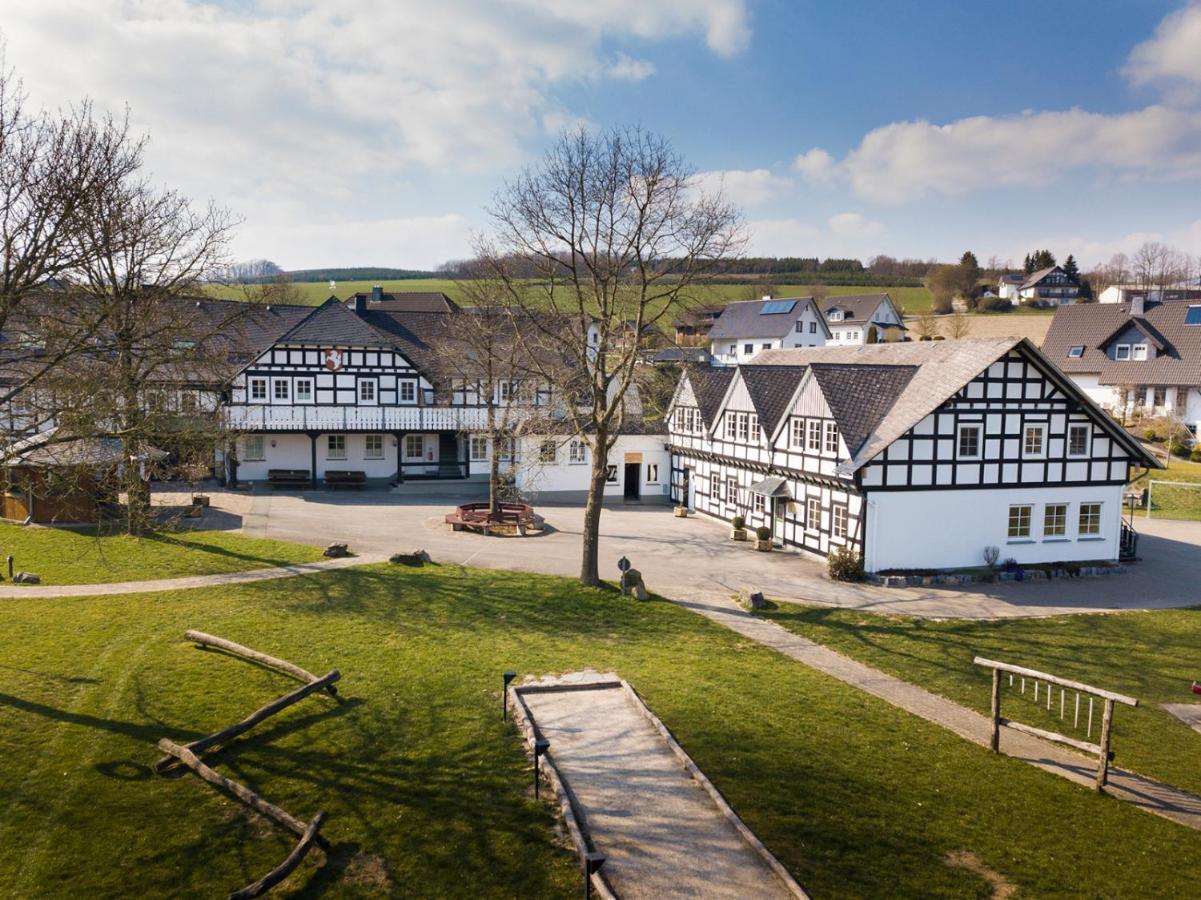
<point>916,455</point>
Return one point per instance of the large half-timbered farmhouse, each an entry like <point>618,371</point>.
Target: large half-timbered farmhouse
<point>917,455</point>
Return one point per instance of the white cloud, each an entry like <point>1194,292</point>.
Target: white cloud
<point>1091,251</point>
<point>781,237</point>
<point>906,160</point>
<point>627,68</point>
<point>816,165</point>
<point>1173,53</point>
<point>745,187</point>
<point>855,225</point>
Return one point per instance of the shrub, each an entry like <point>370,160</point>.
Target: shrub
<point>845,565</point>
<point>763,533</point>
<point>994,305</point>
<point>991,554</point>
<point>1151,434</point>
<point>738,522</point>
<point>1195,456</point>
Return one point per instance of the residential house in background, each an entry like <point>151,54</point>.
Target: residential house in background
<point>1133,358</point>
<point>916,454</point>
<point>692,325</point>
<point>1049,287</point>
<point>1123,293</point>
<point>862,319</point>
<point>752,326</point>
<point>1009,286</point>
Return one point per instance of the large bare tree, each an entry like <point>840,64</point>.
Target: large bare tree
<point>610,233</point>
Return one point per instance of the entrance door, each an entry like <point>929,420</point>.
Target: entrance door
<point>779,505</point>
<point>633,482</point>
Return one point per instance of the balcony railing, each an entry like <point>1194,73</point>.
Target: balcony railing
<point>351,418</point>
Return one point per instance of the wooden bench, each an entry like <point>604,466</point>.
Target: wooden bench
<point>289,477</point>
<point>345,478</point>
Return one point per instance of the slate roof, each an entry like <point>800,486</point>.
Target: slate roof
<point>745,320</point>
<point>406,301</point>
<point>1035,277</point>
<point>860,306</point>
<point>771,388</point>
<point>860,396</point>
<point>1093,326</point>
<point>334,323</point>
<point>941,370</point>
<point>710,387</point>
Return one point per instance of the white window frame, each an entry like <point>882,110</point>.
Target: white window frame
<point>830,438</point>
<point>611,473</point>
<point>1060,524</point>
<point>797,433</point>
<point>732,489</point>
<point>813,436</point>
<point>977,427</point>
<point>1041,452</point>
<point>373,446</point>
<point>758,503</point>
<point>335,446</point>
<point>408,391</point>
<point>1018,529</point>
<point>577,453</point>
<point>1088,525</point>
<point>254,395</point>
<point>1138,352</point>
<point>1088,439</point>
<point>281,390</point>
<point>306,397</point>
<point>1121,352</point>
<point>731,426</point>
<point>417,440</point>
<point>548,452</point>
<point>652,473</point>
<point>754,433</point>
<point>478,448</point>
<point>254,448</point>
<point>813,514</point>
<point>840,529</point>
<point>368,391</point>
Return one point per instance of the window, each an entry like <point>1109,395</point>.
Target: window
<point>1055,520</point>
<point>813,514</point>
<point>813,328</point>
<point>577,453</point>
<point>506,390</point>
<point>835,316</point>
<point>1193,315</point>
<point>765,346</point>
<point>478,447</point>
<point>252,448</point>
<point>800,326</point>
<point>798,433</point>
<point>335,446</point>
<point>1138,351</point>
<point>548,451</point>
<point>758,503</point>
<point>367,391</point>
<point>652,473</point>
<point>1075,352</point>
<point>258,388</point>
<point>281,390</point>
<point>1019,522</point>
<point>182,344</point>
<point>731,425</point>
<point>748,349</point>
<point>1160,396</point>
<point>1078,436</point>
<point>408,392</point>
<point>815,435</point>
<point>304,390</point>
<point>1121,351</point>
<point>732,489</point>
<point>505,447</point>
<point>742,426</point>
<point>753,426</point>
<point>1032,442</point>
<point>838,521</point>
<point>969,441</point>
<point>831,438</point>
<point>414,446</point>
<point>1181,399</point>
<point>1090,520</point>
<point>852,335</point>
<point>733,349</point>
<point>611,474</point>
<point>373,447</point>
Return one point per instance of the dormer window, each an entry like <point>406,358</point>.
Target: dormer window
<point>1138,351</point>
<point>1076,352</point>
<point>835,315</point>
<point>1121,351</point>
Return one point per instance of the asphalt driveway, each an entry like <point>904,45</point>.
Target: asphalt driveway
<point>694,559</point>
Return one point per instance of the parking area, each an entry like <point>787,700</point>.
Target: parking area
<point>694,559</point>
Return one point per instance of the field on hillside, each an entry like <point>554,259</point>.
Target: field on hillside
<point>428,793</point>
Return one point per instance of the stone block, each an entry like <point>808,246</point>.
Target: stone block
<point>412,558</point>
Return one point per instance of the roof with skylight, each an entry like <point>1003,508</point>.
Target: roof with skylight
<point>776,307</point>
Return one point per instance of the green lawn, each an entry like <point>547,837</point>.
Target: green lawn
<point>428,793</point>
<point>80,556</point>
<point>1151,656</point>
<point>1174,501</point>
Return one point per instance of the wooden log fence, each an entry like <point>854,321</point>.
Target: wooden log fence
<point>284,869</point>
<point>167,763</point>
<point>1101,749</point>
<point>281,665</point>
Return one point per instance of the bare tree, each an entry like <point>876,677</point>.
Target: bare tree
<point>925,326</point>
<point>958,326</point>
<point>618,234</point>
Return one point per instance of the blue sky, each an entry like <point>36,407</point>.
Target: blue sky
<point>375,134</point>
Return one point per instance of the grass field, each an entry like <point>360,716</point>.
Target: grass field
<point>79,556</point>
<point>1148,655</point>
<point>1174,501</point>
<point>428,793</point>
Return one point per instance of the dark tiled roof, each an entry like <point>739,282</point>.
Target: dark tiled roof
<point>334,323</point>
<point>860,396</point>
<point>407,301</point>
<point>1093,325</point>
<point>710,387</point>
<point>771,387</point>
<point>1035,277</point>
<point>746,320</point>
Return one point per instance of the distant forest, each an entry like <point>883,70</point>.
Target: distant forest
<point>261,271</point>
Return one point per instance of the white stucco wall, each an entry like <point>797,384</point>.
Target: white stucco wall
<point>928,529</point>
<point>572,478</point>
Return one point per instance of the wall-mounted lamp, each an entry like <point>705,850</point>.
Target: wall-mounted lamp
<point>273,442</point>
<point>395,442</point>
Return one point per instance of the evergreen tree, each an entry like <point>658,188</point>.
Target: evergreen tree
<point>1042,259</point>
<point>1028,265</point>
<point>1070,267</point>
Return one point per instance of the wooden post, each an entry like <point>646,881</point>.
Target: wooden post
<point>282,665</point>
<point>995,742</point>
<point>284,869</point>
<point>1103,763</point>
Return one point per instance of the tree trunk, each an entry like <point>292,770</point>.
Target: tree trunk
<point>494,477</point>
<point>589,561</point>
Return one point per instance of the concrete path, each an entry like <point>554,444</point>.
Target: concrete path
<point>1153,796</point>
<point>660,831</point>
<point>1188,713</point>
<point>11,591</point>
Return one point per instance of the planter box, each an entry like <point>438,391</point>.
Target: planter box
<point>738,534</point>
<point>681,512</point>
<point>762,546</point>
<point>200,500</point>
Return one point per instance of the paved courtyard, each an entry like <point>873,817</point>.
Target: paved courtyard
<point>694,559</point>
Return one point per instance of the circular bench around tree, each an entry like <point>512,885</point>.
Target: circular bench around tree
<point>478,517</point>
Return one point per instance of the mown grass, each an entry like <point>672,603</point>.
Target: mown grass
<point>1147,655</point>
<point>428,793</point>
<point>1173,501</point>
<point>84,556</point>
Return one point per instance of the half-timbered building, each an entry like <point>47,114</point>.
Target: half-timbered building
<point>915,455</point>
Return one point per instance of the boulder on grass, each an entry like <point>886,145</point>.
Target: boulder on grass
<point>412,558</point>
<point>336,551</point>
<point>27,578</point>
<point>633,585</point>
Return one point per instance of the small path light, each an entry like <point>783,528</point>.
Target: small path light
<point>10,567</point>
<point>623,565</point>
<point>541,745</point>
<point>592,865</point>
<point>504,696</point>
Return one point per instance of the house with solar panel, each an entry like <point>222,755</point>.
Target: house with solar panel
<point>1133,358</point>
<point>916,455</point>
<point>862,319</point>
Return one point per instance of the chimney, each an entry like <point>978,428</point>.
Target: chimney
<point>765,297</point>
<point>360,304</point>
<point>377,294</point>
<point>1138,304</point>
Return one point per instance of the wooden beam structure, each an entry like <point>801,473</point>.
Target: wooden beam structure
<point>284,869</point>
<point>281,665</point>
